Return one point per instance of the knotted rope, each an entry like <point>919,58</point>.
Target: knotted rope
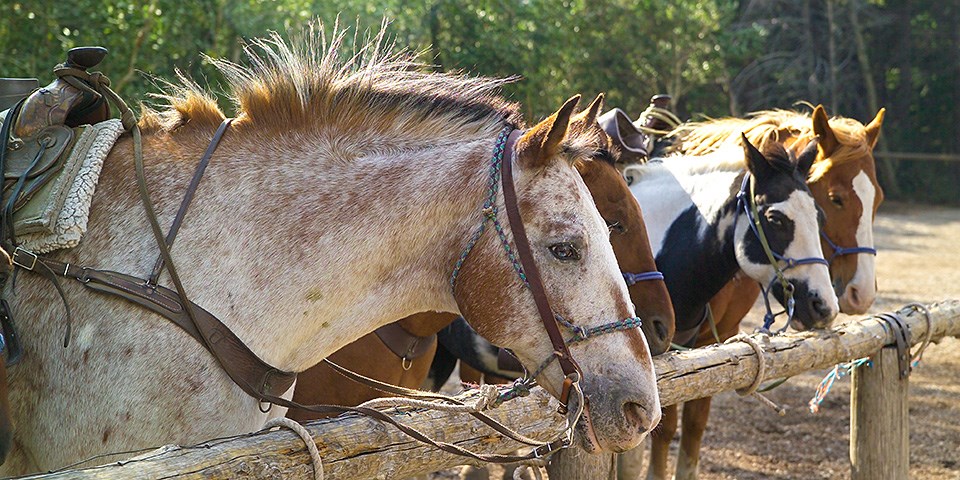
<point>761,372</point>
<point>845,368</point>
<point>284,422</point>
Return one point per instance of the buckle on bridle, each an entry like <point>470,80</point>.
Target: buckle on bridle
<point>16,258</point>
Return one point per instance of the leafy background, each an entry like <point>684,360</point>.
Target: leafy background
<point>716,57</point>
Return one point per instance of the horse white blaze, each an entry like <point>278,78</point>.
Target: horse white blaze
<point>800,208</point>
<point>861,291</point>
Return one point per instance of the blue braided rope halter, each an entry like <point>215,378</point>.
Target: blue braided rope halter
<point>635,278</point>
<point>839,251</point>
<point>747,203</point>
<point>489,213</point>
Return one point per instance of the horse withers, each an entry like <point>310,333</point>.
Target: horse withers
<point>288,245</point>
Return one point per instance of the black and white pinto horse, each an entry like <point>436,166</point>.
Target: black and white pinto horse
<point>699,222</point>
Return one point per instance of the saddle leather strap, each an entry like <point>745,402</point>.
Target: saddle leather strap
<point>188,196</point>
<point>244,367</point>
<point>530,269</point>
<point>212,331</point>
<point>403,343</point>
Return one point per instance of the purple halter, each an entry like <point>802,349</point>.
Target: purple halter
<point>633,278</point>
<point>841,251</point>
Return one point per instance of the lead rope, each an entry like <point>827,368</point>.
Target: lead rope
<point>284,422</point>
<point>754,386</point>
<point>749,208</point>
<point>845,368</point>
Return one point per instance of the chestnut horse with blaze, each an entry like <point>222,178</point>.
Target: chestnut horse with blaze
<point>372,357</point>
<point>844,184</point>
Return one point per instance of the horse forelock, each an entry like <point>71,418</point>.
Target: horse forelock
<point>313,81</point>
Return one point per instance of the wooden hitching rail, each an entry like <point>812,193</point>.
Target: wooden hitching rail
<point>353,447</point>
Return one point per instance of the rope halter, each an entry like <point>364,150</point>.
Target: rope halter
<point>747,203</point>
<point>839,251</point>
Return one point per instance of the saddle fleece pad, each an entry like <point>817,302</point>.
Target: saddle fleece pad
<point>90,149</point>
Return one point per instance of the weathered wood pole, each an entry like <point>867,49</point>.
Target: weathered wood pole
<point>879,421</point>
<point>575,464</point>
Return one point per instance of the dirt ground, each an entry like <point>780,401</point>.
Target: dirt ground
<point>919,261</point>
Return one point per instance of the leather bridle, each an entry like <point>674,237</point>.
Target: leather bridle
<point>523,263</point>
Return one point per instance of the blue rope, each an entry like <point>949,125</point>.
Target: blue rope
<point>839,251</point>
<point>746,203</point>
<point>634,278</point>
<point>836,373</point>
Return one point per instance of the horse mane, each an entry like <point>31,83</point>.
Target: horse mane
<point>312,81</point>
<point>774,126</point>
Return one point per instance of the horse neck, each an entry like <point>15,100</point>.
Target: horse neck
<point>691,223</point>
<point>340,241</point>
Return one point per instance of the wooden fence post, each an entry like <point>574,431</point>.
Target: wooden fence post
<point>575,464</point>
<point>879,422</point>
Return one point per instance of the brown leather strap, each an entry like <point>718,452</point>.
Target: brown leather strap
<point>530,269</point>
<point>403,343</point>
<point>188,196</point>
<point>539,452</point>
<point>417,394</point>
<point>243,366</point>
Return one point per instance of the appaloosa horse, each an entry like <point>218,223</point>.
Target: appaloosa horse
<point>347,194</point>
<point>698,219</point>
<point>376,356</point>
<point>843,182</point>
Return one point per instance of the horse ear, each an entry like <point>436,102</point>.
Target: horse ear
<point>588,117</point>
<point>756,162</point>
<point>806,157</point>
<point>873,128</point>
<point>821,128</point>
<point>543,141</point>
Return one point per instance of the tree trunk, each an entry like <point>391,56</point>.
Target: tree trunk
<point>885,164</point>
<point>832,55</point>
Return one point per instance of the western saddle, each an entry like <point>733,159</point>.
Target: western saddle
<point>36,132</point>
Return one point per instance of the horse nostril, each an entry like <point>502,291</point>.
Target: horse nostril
<point>639,417</point>
<point>854,296</point>
<point>819,306</point>
<point>660,329</point>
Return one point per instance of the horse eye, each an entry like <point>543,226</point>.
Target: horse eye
<point>565,251</point>
<point>836,200</point>
<point>615,226</point>
<point>775,218</point>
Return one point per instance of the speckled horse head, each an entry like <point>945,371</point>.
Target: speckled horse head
<point>339,200</point>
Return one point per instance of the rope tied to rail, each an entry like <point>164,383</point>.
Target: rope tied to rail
<point>751,390</point>
<point>284,422</point>
<point>893,321</point>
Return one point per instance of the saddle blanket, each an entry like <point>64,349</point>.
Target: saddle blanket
<point>69,207</point>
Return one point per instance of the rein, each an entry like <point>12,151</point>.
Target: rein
<point>748,206</point>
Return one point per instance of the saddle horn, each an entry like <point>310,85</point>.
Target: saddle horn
<point>85,58</point>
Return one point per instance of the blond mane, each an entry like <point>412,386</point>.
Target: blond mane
<point>763,127</point>
<point>314,82</point>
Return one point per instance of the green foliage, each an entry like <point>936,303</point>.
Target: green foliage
<point>716,57</point>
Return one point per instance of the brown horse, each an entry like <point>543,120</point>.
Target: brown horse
<point>341,199</point>
<point>371,357</point>
<point>844,184</point>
